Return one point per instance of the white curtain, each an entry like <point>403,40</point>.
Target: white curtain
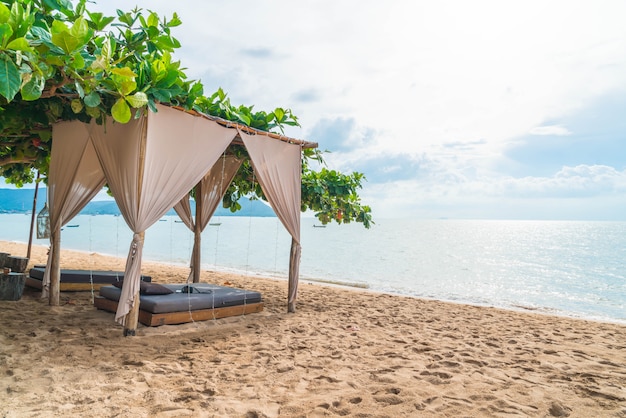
<point>214,185</point>
<point>278,167</point>
<point>150,163</point>
<point>210,191</point>
<point>74,178</point>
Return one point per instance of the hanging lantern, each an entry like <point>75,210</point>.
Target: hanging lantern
<point>43,223</point>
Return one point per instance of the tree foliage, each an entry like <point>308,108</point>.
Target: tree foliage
<point>60,61</point>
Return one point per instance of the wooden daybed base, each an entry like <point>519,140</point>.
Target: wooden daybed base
<point>203,302</point>
<point>78,280</point>
<point>173,318</point>
<point>66,287</point>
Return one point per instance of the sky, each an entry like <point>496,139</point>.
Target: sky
<point>452,109</point>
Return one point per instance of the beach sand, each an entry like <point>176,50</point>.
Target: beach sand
<point>343,353</point>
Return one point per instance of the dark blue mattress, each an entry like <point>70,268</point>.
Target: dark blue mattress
<point>84,276</point>
<point>202,296</point>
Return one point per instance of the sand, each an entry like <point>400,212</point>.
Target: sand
<point>344,353</point>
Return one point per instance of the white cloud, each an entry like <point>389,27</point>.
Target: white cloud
<point>555,130</point>
<point>425,73</point>
<point>452,83</point>
<point>451,193</point>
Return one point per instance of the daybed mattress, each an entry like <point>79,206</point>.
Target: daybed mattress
<point>84,276</point>
<point>204,296</point>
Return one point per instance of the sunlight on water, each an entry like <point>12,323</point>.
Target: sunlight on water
<point>573,268</point>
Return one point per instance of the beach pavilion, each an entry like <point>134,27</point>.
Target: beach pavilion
<point>150,164</point>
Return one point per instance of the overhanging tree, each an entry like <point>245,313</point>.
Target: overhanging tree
<point>63,62</point>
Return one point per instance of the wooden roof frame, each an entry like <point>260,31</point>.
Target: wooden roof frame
<point>248,129</point>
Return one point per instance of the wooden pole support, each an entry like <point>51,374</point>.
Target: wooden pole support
<point>197,235</point>
<point>132,318</point>
<point>55,268</point>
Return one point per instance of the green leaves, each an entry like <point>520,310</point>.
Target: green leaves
<point>218,104</point>
<point>98,21</point>
<point>333,196</point>
<point>65,67</point>
<point>138,99</point>
<point>5,13</point>
<point>32,89</point>
<point>92,99</point>
<point>71,39</point>
<point>19,44</point>
<point>10,79</point>
<point>121,111</point>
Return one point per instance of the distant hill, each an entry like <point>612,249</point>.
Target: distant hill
<point>21,201</point>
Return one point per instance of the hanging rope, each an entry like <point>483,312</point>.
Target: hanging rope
<point>245,277</point>
<point>276,249</point>
<point>217,233</point>
<point>171,239</point>
<point>199,220</point>
<point>117,236</point>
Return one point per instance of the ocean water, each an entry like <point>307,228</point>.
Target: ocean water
<point>570,268</point>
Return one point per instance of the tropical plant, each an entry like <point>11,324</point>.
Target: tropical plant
<point>63,62</point>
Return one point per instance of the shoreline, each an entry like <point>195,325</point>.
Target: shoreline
<point>358,286</point>
<point>345,352</point>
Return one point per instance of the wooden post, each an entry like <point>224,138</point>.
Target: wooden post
<point>32,217</point>
<point>294,267</point>
<point>132,318</point>
<point>197,231</point>
<point>55,268</point>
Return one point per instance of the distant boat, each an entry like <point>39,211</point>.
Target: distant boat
<point>179,222</point>
<point>73,226</point>
<point>319,226</point>
<point>162,220</point>
<point>215,224</point>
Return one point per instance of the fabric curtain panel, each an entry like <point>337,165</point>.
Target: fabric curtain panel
<point>278,167</point>
<point>214,185</point>
<point>74,178</point>
<point>150,163</point>
<point>211,189</point>
<point>183,209</point>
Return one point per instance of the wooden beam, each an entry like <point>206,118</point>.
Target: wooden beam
<point>248,129</point>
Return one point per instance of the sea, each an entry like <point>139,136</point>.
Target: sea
<point>566,268</point>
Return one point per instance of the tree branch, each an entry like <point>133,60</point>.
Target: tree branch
<point>11,160</point>
<point>46,94</point>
